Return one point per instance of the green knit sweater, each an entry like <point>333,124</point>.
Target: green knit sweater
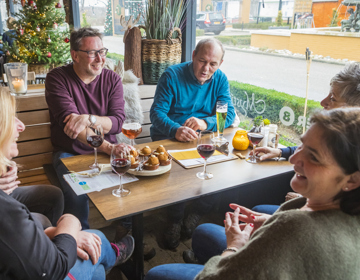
<point>295,244</point>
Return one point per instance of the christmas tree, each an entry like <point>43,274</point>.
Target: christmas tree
<point>38,40</point>
<point>108,21</point>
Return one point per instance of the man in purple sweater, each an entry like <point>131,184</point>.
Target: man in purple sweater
<point>78,95</point>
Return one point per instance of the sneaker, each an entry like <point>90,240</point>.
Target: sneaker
<point>123,249</point>
<point>189,257</point>
<point>190,223</point>
<point>172,235</point>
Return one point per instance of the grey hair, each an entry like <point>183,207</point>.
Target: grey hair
<point>211,41</point>
<point>77,36</point>
<point>347,81</point>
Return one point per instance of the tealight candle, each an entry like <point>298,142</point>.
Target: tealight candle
<point>19,86</point>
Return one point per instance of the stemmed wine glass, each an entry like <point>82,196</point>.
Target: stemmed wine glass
<point>131,129</point>
<point>95,137</point>
<point>205,148</point>
<point>120,164</point>
<point>255,138</point>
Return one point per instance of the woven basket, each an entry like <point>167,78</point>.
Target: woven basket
<point>157,55</point>
<point>40,68</point>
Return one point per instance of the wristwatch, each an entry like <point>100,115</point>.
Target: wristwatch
<point>92,120</point>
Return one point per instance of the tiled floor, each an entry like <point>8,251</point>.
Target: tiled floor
<point>153,228</point>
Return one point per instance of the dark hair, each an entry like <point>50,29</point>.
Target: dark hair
<point>210,41</point>
<point>78,34</point>
<point>347,81</point>
<point>341,128</point>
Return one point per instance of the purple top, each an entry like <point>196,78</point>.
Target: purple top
<point>66,93</point>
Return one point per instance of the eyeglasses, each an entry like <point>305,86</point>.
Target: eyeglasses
<point>93,54</point>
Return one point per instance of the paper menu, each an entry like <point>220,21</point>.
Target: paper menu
<point>83,184</point>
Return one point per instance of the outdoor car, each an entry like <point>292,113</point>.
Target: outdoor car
<point>210,22</point>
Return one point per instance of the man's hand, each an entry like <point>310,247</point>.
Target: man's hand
<point>75,124</point>
<point>8,182</point>
<point>185,134</point>
<point>268,152</point>
<point>88,244</point>
<point>196,124</point>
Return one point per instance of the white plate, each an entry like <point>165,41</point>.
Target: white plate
<point>159,171</point>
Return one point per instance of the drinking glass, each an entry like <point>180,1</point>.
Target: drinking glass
<point>221,113</point>
<point>205,148</point>
<point>255,138</point>
<point>120,164</point>
<point>95,137</point>
<point>131,129</point>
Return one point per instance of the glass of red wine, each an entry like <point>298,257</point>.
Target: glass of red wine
<point>95,137</point>
<point>205,148</point>
<point>255,138</point>
<point>131,129</point>
<point>120,164</point>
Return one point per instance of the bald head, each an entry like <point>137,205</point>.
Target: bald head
<point>210,42</point>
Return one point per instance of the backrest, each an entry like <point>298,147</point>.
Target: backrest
<point>35,148</point>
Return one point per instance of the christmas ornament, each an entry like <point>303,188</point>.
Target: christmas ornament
<point>58,5</point>
<point>38,28</point>
<point>66,40</point>
<point>30,2</point>
<point>49,40</point>
<point>23,3</point>
<point>34,7</point>
<point>55,25</point>
<point>49,54</point>
<point>21,30</point>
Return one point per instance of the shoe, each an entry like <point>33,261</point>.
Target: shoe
<point>149,252</point>
<point>172,235</point>
<point>123,249</point>
<point>121,232</point>
<point>189,257</point>
<point>190,223</point>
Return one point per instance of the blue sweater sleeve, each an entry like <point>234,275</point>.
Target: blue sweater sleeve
<point>223,94</point>
<point>159,110</point>
<point>288,151</point>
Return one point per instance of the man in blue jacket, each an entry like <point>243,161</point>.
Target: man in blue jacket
<point>184,103</point>
<point>186,95</point>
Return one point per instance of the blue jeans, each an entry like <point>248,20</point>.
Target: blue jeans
<point>266,208</point>
<point>73,204</point>
<point>85,270</point>
<point>174,271</point>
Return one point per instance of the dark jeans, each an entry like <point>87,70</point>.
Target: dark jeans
<point>201,206</point>
<point>44,199</point>
<point>73,204</point>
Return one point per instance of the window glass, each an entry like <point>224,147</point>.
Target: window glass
<point>200,16</point>
<point>215,16</point>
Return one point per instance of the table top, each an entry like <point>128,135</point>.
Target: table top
<point>179,184</point>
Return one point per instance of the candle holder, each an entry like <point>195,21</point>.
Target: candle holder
<point>16,74</point>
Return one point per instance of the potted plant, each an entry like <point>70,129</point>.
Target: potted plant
<point>257,124</point>
<point>161,49</point>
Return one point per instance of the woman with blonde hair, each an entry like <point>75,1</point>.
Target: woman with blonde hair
<point>30,252</point>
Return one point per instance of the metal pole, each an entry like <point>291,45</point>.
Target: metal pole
<point>280,5</point>
<point>257,21</point>
<point>1,25</point>
<point>76,13</point>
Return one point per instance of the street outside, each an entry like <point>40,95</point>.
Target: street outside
<point>283,74</point>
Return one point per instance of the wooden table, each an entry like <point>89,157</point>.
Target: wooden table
<point>178,185</point>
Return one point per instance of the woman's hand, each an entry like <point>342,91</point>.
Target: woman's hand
<point>236,237</point>
<point>88,244</point>
<point>249,216</point>
<point>268,152</point>
<point>291,195</point>
<point>8,182</point>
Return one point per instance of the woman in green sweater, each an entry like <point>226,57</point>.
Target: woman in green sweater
<point>312,237</point>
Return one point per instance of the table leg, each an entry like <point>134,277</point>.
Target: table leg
<point>138,234</point>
